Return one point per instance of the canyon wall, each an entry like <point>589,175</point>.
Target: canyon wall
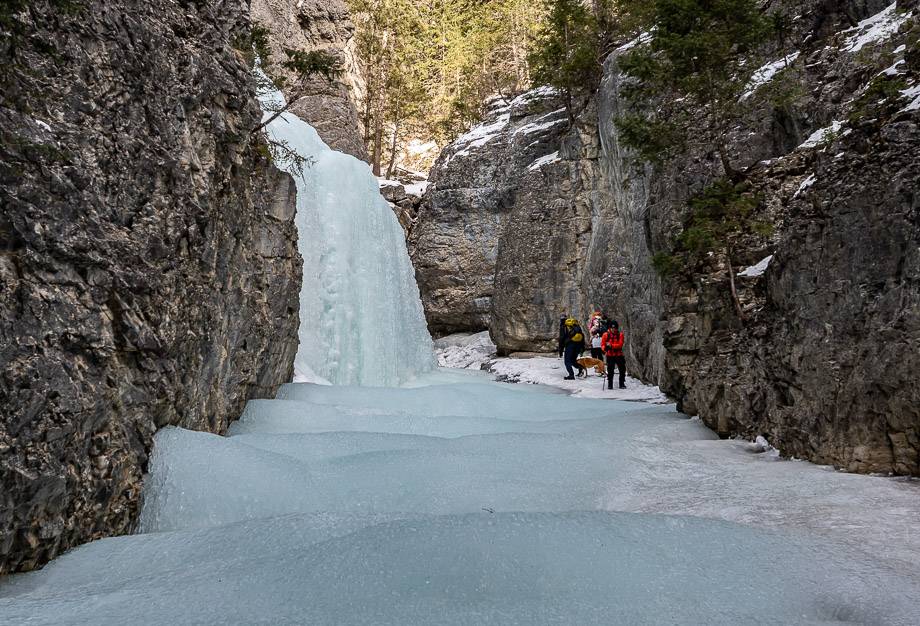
<point>149,273</point>
<point>454,242</point>
<point>822,362</point>
<point>331,107</point>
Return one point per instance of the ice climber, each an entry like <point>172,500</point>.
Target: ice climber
<point>573,345</point>
<point>612,345</point>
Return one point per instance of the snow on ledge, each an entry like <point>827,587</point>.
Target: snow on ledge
<point>643,38</point>
<point>877,28</point>
<point>417,189</point>
<point>539,124</point>
<point>538,93</point>
<point>823,134</point>
<point>808,182</point>
<point>914,94</point>
<point>754,271</point>
<point>766,73</point>
<point>480,135</point>
<point>544,160</point>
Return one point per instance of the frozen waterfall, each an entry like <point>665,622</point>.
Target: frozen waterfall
<point>361,318</point>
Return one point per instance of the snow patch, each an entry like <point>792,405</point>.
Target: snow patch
<point>42,124</point>
<point>480,135</point>
<point>808,182</point>
<point>823,134</point>
<point>539,125</point>
<point>383,182</point>
<point>766,73</point>
<point>874,29</point>
<point>550,371</point>
<point>914,94</point>
<point>643,38</point>
<point>417,147</point>
<point>544,160</point>
<point>538,93</point>
<point>893,70</point>
<point>760,445</point>
<point>417,189</point>
<point>754,271</point>
<point>464,350</point>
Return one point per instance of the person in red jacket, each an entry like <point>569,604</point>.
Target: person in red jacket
<point>612,346</point>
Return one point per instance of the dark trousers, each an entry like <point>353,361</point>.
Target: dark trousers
<point>572,350</point>
<point>597,353</point>
<point>620,363</point>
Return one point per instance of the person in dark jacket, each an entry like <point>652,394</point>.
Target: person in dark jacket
<point>612,346</point>
<point>574,344</point>
<point>562,319</point>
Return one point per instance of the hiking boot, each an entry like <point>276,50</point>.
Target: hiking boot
<point>622,386</point>
<point>569,378</point>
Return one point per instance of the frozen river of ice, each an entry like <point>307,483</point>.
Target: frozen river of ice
<point>464,501</point>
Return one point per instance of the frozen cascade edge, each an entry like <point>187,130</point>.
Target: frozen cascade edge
<point>361,316</point>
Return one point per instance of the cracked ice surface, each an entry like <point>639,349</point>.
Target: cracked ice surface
<point>462,500</point>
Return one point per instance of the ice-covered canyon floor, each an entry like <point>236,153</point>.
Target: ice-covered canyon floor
<point>460,500</point>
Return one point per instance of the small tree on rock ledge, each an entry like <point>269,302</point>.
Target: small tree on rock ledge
<point>303,66</point>
<point>568,51</point>
<point>689,74</point>
<point>719,216</point>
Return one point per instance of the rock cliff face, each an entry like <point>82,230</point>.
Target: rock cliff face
<point>823,363</point>
<point>405,200</point>
<point>331,108</point>
<point>149,273</point>
<point>455,242</point>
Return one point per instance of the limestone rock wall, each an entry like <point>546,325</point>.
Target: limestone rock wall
<point>454,243</point>
<point>149,273</point>
<point>824,363</point>
<point>331,108</point>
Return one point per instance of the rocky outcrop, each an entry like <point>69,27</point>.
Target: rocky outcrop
<point>455,242</point>
<point>823,362</point>
<point>405,200</point>
<point>149,273</point>
<point>330,107</point>
<point>522,223</point>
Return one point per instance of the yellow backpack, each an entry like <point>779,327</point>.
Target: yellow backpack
<point>578,337</point>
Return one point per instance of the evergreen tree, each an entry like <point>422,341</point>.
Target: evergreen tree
<point>688,75</point>
<point>718,216</point>
<point>296,71</point>
<point>694,59</point>
<point>568,51</point>
<point>430,64</point>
